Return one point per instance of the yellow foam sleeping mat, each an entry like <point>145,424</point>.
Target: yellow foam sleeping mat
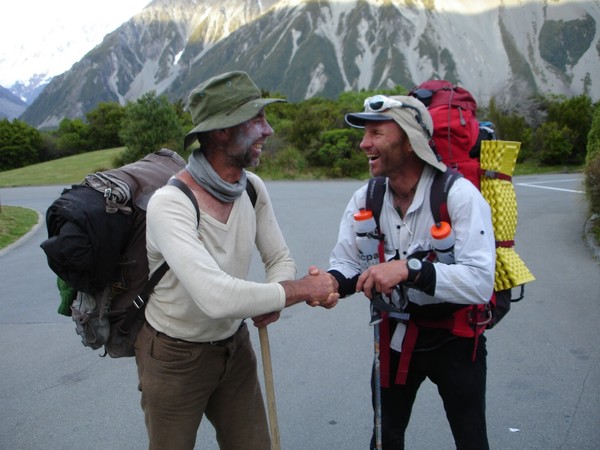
<point>501,156</point>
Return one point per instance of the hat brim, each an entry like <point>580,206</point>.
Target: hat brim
<point>230,119</point>
<point>416,137</point>
<point>358,120</point>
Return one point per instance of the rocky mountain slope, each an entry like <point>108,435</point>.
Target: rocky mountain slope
<point>507,49</point>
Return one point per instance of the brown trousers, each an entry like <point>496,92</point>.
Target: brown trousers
<point>181,381</point>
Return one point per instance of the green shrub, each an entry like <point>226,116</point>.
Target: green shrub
<point>149,124</point>
<point>593,137</point>
<point>554,143</point>
<point>19,144</point>
<point>592,183</point>
<point>286,163</point>
<point>339,150</point>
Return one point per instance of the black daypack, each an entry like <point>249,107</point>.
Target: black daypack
<point>97,246</point>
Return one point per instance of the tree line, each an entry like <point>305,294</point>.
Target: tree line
<point>310,137</point>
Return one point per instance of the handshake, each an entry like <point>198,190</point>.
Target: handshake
<point>318,288</point>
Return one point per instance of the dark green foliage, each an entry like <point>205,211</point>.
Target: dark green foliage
<point>575,114</point>
<point>341,153</point>
<point>73,137</point>
<point>48,149</point>
<point>19,144</point>
<point>592,183</point>
<point>311,136</point>
<point>554,143</point>
<point>510,127</point>
<point>284,162</point>
<point>149,124</point>
<point>554,129</point>
<point>593,138</point>
<point>104,125</point>
<point>592,168</point>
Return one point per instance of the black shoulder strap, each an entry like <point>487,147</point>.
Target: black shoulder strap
<point>375,193</point>
<point>187,191</point>
<point>251,191</point>
<point>438,199</point>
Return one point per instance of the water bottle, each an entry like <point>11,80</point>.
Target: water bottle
<point>443,242</point>
<point>367,243</point>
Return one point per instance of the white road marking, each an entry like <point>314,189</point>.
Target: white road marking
<point>537,185</point>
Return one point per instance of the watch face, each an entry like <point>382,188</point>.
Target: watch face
<point>414,264</point>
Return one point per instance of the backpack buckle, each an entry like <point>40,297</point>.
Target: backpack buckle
<point>138,302</point>
<point>479,318</point>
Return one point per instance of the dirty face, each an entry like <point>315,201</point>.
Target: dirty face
<point>248,140</point>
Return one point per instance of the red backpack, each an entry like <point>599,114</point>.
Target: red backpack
<point>455,125</point>
<point>456,139</point>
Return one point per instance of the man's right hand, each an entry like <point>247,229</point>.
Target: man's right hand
<point>318,288</point>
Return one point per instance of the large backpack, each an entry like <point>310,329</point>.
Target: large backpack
<point>469,149</point>
<point>97,246</point>
<point>455,126</point>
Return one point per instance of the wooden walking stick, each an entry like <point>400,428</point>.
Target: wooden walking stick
<point>269,387</point>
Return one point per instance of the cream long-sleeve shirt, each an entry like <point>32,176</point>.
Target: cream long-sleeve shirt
<point>205,295</point>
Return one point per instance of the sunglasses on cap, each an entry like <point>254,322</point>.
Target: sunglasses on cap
<point>380,103</point>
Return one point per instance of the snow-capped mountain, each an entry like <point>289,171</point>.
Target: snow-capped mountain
<point>507,49</point>
<point>11,106</point>
<point>54,36</point>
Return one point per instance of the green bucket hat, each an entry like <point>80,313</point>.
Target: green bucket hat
<point>224,101</point>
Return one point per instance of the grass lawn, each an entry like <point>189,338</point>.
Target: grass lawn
<point>15,221</point>
<point>64,171</point>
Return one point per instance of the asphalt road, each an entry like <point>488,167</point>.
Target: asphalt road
<point>544,371</point>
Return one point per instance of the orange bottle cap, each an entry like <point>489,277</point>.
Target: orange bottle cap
<point>363,214</point>
<point>441,230</point>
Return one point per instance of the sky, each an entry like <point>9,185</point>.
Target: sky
<point>38,36</point>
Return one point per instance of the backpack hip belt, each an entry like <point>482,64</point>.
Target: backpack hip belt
<point>468,322</point>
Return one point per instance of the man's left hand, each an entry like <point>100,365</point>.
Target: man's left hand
<point>265,319</point>
<point>382,277</point>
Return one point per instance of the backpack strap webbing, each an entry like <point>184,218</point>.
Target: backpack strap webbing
<point>251,191</point>
<point>187,191</point>
<point>438,199</point>
<point>374,201</point>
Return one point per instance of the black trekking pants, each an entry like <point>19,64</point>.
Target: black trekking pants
<point>461,383</point>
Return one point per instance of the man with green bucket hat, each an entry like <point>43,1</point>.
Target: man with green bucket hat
<point>194,354</point>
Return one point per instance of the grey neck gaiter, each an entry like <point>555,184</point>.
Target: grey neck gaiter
<point>203,174</point>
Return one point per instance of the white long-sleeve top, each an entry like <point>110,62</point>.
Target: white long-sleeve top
<point>205,295</point>
<point>469,281</point>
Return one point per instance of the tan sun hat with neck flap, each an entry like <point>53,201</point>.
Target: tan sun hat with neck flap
<point>224,101</point>
<point>410,114</point>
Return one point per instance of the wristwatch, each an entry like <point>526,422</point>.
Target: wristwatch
<point>414,266</point>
